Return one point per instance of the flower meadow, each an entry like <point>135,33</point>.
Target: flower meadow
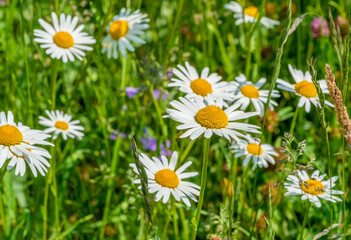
<point>175,120</point>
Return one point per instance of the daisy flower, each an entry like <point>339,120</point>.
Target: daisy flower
<point>304,88</point>
<point>36,162</point>
<point>193,85</point>
<point>17,142</point>
<point>261,154</point>
<point>165,180</point>
<point>124,28</point>
<point>249,14</point>
<point>206,117</point>
<point>312,188</point>
<point>63,40</point>
<point>59,122</point>
<point>247,92</point>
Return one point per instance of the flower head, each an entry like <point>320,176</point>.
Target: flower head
<point>304,88</point>
<point>123,30</point>
<point>193,84</point>
<point>312,188</point>
<point>165,180</point>
<point>261,154</point>
<point>248,92</point>
<point>249,14</point>
<point>63,40</point>
<point>319,27</point>
<point>19,144</point>
<point>131,92</point>
<point>60,122</point>
<point>206,117</point>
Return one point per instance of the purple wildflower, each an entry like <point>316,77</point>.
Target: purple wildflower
<point>149,143</point>
<point>156,94</point>
<point>131,92</point>
<point>164,151</point>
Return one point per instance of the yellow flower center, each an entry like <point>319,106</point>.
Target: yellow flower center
<point>167,178</point>
<point>306,89</point>
<point>63,39</point>
<point>250,91</point>
<point>61,125</point>
<point>201,87</point>
<point>251,11</point>
<point>254,149</point>
<point>119,29</point>
<point>212,117</point>
<point>313,187</point>
<point>10,135</point>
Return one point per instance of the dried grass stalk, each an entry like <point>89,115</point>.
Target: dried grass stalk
<point>340,109</point>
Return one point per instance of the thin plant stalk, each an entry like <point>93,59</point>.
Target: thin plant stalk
<point>114,165</point>
<point>2,174</point>
<point>206,148</point>
<point>305,220</point>
<point>158,110</point>
<point>293,123</point>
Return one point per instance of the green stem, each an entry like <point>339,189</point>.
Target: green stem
<point>54,191</point>
<point>206,147</point>
<point>4,171</point>
<point>125,62</point>
<point>305,219</point>
<point>114,164</point>
<point>53,84</point>
<point>293,123</point>
<point>45,208</point>
<point>158,110</point>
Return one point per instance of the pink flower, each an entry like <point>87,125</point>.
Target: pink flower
<point>319,28</point>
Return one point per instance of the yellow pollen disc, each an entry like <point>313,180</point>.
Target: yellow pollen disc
<point>250,91</point>
<point>251,11</point>
<point>212,117</point>
<point>119,29</point>
<point>167,178</point>
<point>201,87</point>
<point>254,149</point>
<point>61,125</point>
<point>313,187</point>
<point>306,89</point>
<point>63,39</point>
<point>10,135</point>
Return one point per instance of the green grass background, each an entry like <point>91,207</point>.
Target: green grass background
<point>203,33</point>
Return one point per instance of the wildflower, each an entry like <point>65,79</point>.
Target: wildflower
<point>18,143</point>
<point>164,148</point>
<point>148,142</point>
<point>304,88</point>
<point>63,40</point>
<point>124,28</point>
<point>247,93</point>
<point>261,154</point>
<point>343,25</point>
<point>319,27</point>
<point>249,14</point>
<point>164,180</point>
<point>131,92</point>
<point>312,188</point>
<point>117,133</point>
<point>156,94</point>
<point>207,117</point>
<point>193,85</point>
<point>60,122</point>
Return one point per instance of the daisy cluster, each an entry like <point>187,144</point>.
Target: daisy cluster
<point>210,106</point>
<point>19,144</point>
